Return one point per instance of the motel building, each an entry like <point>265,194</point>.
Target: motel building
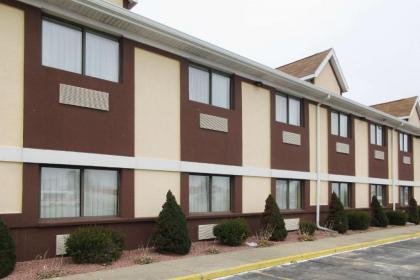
<point>102,111</point>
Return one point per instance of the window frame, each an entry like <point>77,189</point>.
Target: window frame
<point>349,193</point>
<point>376,128</point>
<point>339,114</point>
<point>384,193</point>
<point>401,198</point>
<point>81,190</point>
<point>212,71</point>
<point>402,142</point>
<point>210,180</point>
<point>83,30</point>
<point>301,198</point>
<point>288,97</point>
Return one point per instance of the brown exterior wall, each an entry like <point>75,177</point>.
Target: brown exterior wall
<point>379,168</point>
<point>405,171</point>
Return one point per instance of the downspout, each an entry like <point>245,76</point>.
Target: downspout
<point>318,166</point>
<point>392,169</point>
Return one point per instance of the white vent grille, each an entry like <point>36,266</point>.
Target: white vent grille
<point>379,155</point>
<point>406,160</point>
<point>213,123</point>
<point>292,224</point>
<point>342,148</point>
<point>83,97</point>
<point>291,138</point>
<point>206,232</point>
<point>60,244</point>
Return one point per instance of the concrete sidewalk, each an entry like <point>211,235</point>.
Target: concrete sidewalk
<point>208,263</point>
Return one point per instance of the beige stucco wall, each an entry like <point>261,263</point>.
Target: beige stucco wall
<point>150,188</point>
<point>323,193</point>
<point>323,118</point>
<point>362,196</point>
<point>255,191</point>
<point>11,76</point>
<point>416,192</point>
<point>10,187</point>
<point>157,106</point>
<point>312,137</point>
<point>327,80</point>
<point>361,148</point>
<point>324,140</point>
<point>119,3</point>
<point>392,166</point>
<point>255,126</point>
<point>416,158</point>
<point>414,118</point>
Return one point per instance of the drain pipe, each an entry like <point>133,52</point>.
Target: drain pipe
<point>318,166</point>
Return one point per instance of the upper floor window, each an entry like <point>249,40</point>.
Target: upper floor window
<point>209,194</point>
<point>289,194</point>
<point>376,135</point>
<point>342,191</point>
<point>80,50</point>
<point>405,195</point>
<point>288,109</point>
<point>209,87</point>
<point>339,124</point>
<point>78,192</point>
<point>404,142</point>
<point>379,191</point>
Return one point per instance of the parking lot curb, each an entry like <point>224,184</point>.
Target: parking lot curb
<point>291,259</point>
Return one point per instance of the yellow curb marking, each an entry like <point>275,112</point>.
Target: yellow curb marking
<point>290,259</point>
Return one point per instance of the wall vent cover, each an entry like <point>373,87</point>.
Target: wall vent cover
<point>84,97</point>
<point>206,232</point>
<point>60,244</point>
<point>379,155</point>
<point>213,123</point>
<point>406,160</point>
<point>291,138</point>
<point>292,224</point>
<point>342,148</point>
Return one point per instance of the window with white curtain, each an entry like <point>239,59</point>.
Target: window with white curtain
<point>78,192</point>
<point>376,135</point>
<point>288,109</point>
<point>209,194</point>
<point>342,191</point>
<point>405,195</point>
<point>339,124</point>
<point>75,49</point>
<point>289,194</point>
<point>379,191</point>
<point>209,86</point>
<point>404,142</point>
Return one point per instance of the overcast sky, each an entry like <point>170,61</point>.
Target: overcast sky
<point>377,41</point>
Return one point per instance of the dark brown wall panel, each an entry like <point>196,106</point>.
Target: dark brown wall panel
<point>378,168</point>
<point>405,171</point>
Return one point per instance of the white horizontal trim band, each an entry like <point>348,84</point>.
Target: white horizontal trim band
<point>41,156</point>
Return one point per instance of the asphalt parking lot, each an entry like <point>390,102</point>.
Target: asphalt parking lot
<point>399,260</point>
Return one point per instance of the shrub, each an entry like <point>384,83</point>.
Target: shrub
<point>171,233</point>
<point>307,228</point>
<point>7,251</point>
<point>263,237</point>
<point>232,232</point>
<point>358,220</point>
<point>94,245</point>
<point>273,219</point>
<point>397,217</point>
<point>337,218</point>
<point>379,218</point>
<point>413,214</point>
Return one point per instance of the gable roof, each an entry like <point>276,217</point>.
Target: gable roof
<point>310,67</point>
<point>401,108</point>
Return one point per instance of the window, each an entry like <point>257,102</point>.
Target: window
<point>379,191</point>
<point>404,142</point>
<point>78,192</point>
<point>343,192</point>
<point>376,134</point>
<point>405,195</point>
<point>76,49</point>
<point>339,124</point>
<point>288,109</point>
<point>209,87</point>
<point>289,194</point>
<point>209,194</point>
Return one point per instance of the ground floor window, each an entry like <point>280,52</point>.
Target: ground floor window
<point>405,195</point>
<point>379,191</point>
<point>342,191</point>
<point>289,194</point>
<point>78,192</point>
<point>209,193</point>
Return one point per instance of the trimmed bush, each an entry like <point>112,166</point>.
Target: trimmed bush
<point>397,217</point>
<point>337,218</point>
<point>94,245</point>
<point>306,227</point>
<point>379,218</point>
<point>7,251</point>
<point>232,232</point>
<point>171,233</point>
<point>413,213</point>
<point>273,219</point>
<point>358,220</point>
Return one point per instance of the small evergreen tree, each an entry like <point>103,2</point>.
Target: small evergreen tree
<point>171,234</point>
<point>379,218</point>
<point>337,218</point>
<point>7,251</point>
<point>273,219</point>
<point>413,214</point>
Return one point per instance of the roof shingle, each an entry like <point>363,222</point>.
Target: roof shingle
<point>399,108</point>
<point>305,66</point>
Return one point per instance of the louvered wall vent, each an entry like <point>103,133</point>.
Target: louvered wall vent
<point>406,160</point>
<point>342,148</point>
<point>60,241</point>
<point>84,97</point>
<point>213,123</point>
<point>379,155</point>
<point>292,224</point>
<point>291,138</point>
<point>206,232</point>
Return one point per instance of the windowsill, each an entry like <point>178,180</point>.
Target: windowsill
<point>212,215</point>
<point>292,211</point>
<point>51,68</point>
<point>79,220</point>
<point>289,125</point>
<point>210,105</point>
